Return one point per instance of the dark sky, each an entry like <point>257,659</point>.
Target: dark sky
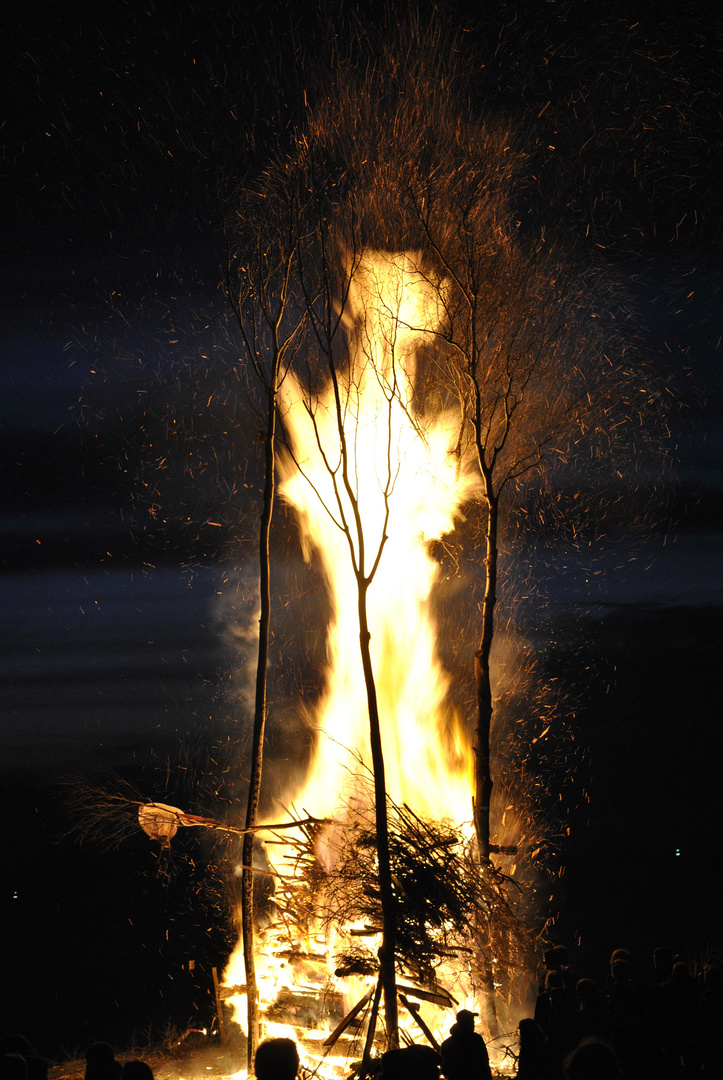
<point>124,128</point>
<point>124,131</point>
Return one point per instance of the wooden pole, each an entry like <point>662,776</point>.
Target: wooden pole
<point>372,1028</point>
<point>219,1006</point>
<point>412,1008</point>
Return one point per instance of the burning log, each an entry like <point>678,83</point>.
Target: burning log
<point>371,1029</point>
<point>412,1008</point>
<point>226,992</point>
<point>219,1006</point>
<point>350,1016</point>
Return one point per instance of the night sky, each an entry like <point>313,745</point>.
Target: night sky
<point>129,465</point>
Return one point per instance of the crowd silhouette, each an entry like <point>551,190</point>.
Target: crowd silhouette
<point>657,1021</point>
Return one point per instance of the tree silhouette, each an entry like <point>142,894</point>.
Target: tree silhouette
<point>263,238</point>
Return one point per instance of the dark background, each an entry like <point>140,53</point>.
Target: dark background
<point>128,476</point>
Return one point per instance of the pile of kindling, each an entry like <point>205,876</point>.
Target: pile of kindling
<point>449,906</point>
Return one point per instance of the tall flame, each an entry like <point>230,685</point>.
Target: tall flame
<point>409,487</point>
<point>373,481</point>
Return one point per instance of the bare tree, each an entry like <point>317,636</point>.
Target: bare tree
<point>263,238</point>
<point>295,260</point>
<point>335,302</point>
<point>540,372</point>
<point>531,348</point>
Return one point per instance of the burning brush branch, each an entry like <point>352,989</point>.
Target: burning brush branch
<point>107,816</point>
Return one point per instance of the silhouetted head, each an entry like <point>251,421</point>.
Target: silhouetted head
<point>620,954</point>
<point>554,980</point>
<point>562,956</point>
<point>712,977</point>
<point>465,1020</point>
<point>593,1059</point>
<point>100,1062</point>
<point>588,993</point>
<point>136,1070</point>
<point>556,957</point>
<point>532,1037</point>
<point>276,1059</point>
<point>622,971</point>
<point>411,1063</point>
<point>549,958</point>
<point>662,962</point>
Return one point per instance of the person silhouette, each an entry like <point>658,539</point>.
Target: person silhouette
<point>100,1062</point>
<point>464,1053</point>
<point>276,1059</point>
<point>411,1063</point>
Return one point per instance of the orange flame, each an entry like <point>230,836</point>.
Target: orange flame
<point>366,445</point>
<point>409,487</point>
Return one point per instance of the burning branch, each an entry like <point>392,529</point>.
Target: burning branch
<point>108,816</point>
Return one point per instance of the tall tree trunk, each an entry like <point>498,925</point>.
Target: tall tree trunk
<point>389,920</point>
<point>363,577</point>
<point>483,777</point>
<point>257,752</point>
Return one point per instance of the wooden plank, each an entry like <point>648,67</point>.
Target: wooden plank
<point>439,997</point>
<point>413,1009</point>
<point>371,1029</point>
<point>341,1028</point>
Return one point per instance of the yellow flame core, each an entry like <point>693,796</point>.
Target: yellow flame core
<point>374,480</point>
<point>370,445</point>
